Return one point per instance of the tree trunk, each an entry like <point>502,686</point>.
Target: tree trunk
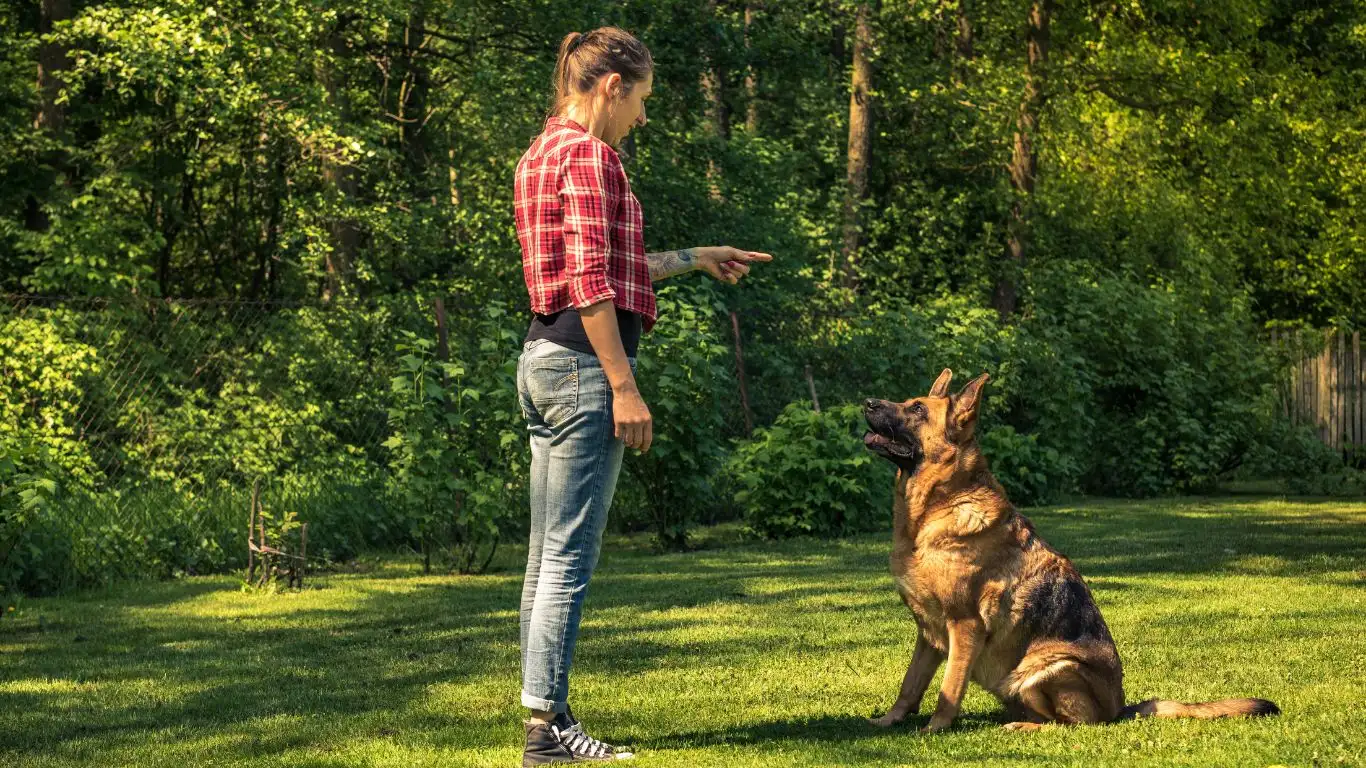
<point>714,88</point>
<point>269,238</point>
<point>412,101</point>
<point>1024,161</point>
<point>860,140</point>
<point>52,59</point>
<point>714,83</point>
<point>751,77</point>
<point>453,177</point>
<point>51,116</point>
<point>962,43</point>
<point>343,234</point>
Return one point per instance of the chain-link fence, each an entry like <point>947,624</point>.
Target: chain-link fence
<point>135,433</point>
<point>169,424</point>
<point>159,418</point>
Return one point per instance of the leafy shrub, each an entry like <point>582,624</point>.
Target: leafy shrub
<point>1031,473</point>
<point>809,473</point>
<point>456,452</point>
<point>45,372</point>
<point>1296,456</point>
<point>1175,381</point>
<point>682,377</point>
<point>24,492</point>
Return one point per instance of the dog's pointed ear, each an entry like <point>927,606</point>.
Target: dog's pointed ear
<point>965,404</point>
<point>941,384</point>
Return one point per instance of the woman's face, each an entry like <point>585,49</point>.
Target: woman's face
<point>628,109</point>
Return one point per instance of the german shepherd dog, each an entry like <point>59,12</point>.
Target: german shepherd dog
<point>988,594</point>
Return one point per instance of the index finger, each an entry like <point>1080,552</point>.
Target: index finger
<point>754,256</point>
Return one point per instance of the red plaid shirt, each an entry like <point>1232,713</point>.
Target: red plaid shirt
<point>582,231</point>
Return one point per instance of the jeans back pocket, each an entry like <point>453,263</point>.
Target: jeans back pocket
<point>553,383</point>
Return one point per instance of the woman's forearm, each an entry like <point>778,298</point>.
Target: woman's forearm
<point>600,323</point>
<point>669,263</point>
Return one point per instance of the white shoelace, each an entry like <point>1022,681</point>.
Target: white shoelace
<point>580,743</point>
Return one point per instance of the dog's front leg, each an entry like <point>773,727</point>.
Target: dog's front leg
<point>965,641</point>
<point>925,661</point>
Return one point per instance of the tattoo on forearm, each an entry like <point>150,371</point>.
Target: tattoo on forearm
<point>669,263</point>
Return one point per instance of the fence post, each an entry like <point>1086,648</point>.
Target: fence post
<point>251,531</point>
<point>1358,395</point>
<point>1321,391</point>
<point>1349,388</point>
<point>303,554</point>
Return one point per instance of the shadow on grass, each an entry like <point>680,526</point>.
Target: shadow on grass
<point>377,657</point>
<point>853,739</point>
<point>1208,536</point>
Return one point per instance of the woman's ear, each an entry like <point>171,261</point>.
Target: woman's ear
<point>612,85</point>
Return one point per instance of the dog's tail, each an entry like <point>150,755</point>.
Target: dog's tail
<point>1208,710</point>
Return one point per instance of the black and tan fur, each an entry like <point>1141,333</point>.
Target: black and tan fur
<point>990,597</point>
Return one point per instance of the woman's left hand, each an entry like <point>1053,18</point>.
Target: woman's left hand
<point>727,264</point>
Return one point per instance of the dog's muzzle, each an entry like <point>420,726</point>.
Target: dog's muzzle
<point>887,437</point>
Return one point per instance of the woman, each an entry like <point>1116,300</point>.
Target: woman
<point>589,278</point>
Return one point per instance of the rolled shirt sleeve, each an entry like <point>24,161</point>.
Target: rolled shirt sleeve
<point>590,192</point>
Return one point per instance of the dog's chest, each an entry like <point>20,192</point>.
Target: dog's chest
<point>926,582</point>
<point>938,586</point>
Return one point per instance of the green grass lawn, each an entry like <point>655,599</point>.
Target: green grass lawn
<point>757,654</point>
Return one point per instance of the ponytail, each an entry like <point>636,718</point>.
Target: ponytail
<point>585,58</point>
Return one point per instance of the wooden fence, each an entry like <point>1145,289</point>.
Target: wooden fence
<point>1327,387</point>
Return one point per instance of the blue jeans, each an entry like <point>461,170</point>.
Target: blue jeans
<point>575,461</point>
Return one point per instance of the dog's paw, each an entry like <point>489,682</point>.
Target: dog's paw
<point>887,721</point>
<point>1021,726</point>
<point>934,727</point>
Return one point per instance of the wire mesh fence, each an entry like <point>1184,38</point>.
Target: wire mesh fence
<point>178,428</point>
<point>160,416</point>
<point>175,427</point>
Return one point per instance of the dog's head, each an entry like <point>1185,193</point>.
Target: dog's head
<point>930,426</point>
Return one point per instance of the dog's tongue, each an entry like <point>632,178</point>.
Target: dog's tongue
<point>873,438</point>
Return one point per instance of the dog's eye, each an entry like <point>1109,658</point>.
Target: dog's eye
<point>918,409</point>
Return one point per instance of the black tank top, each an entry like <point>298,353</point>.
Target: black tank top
<point>566,329</point>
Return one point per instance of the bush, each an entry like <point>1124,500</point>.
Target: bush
<point>810,474</point>
<point>1297,457</point>
<point>682,377</point>
<point>1175,381</point>
<point>457,466</point>
<point>1031,473</point>
<point>24,492</point>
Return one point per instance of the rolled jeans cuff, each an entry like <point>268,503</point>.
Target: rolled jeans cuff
<point>543,705</point>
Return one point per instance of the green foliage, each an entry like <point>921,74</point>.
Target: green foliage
<point>1202,172</point>
<point>454,465</point>
<point>683,380</point>
<point>1297,457</point>
<point>1176,380</point>
<point>1031,474</point>
<point>809,474</point>
<point>25,491</point>
<point>44,371</point>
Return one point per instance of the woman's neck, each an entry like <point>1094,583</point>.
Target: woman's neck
<point>593,120</point>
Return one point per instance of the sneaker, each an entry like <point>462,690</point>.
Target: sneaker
<point>564,741</point>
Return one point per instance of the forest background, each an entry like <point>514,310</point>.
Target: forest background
<point>258,257</point>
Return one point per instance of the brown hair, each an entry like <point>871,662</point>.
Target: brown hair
<point>585,58</point>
